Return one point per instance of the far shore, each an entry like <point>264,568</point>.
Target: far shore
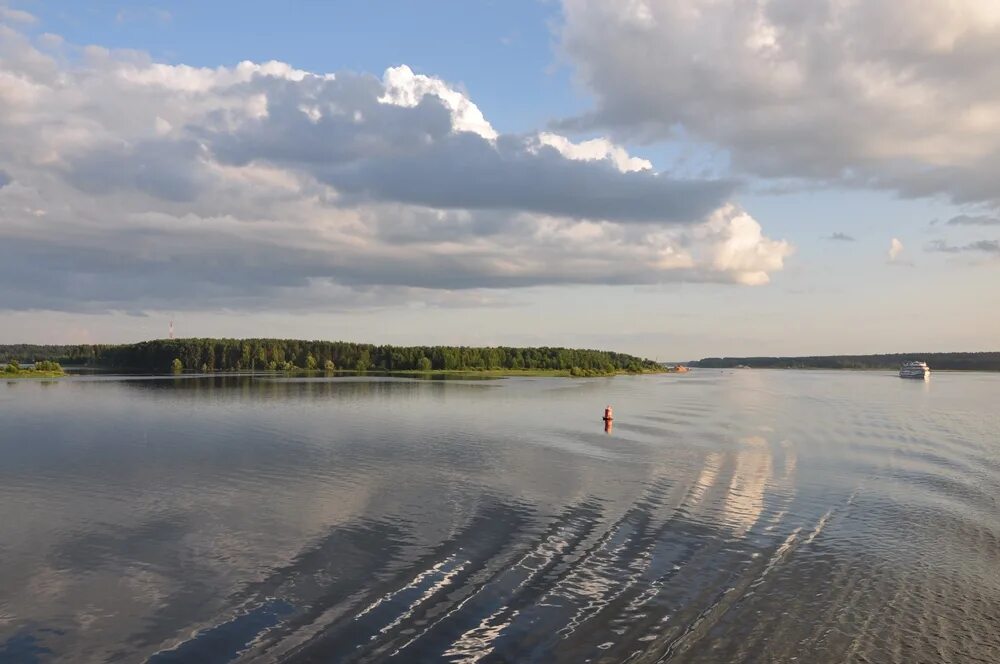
<point>939,361</point>
<point>456,373</point>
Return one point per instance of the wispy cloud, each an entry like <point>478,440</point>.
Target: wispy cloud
<point>974,220</point>
<point>841,237</point>
<point>11,15</point>
<point>137,14</point>
<point>982,246</point>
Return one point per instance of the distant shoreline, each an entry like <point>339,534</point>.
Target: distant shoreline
<point>976,361</point>
<point>853,369</point>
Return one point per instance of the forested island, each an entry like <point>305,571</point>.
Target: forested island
<point>210,355</point>
<point>988,361</point>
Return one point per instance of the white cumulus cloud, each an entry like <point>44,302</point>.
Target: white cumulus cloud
<point>595,149</point>
<point>898,94</point>
<point>404,88</point>
<point>127,184</point>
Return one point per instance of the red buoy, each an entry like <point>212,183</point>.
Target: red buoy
<point>608,414</point>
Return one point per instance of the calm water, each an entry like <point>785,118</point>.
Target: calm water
<point>752,516</point>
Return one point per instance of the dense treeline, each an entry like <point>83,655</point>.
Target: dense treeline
<point>75,355</point>
<point>956,361</point>
<point>287,354</point>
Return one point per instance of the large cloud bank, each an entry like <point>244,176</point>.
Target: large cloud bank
<point>127,184</point>
<point>898,94</point>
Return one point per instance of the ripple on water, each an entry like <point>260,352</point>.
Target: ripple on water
<point>741,516</point>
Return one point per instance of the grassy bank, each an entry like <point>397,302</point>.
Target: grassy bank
<point>473,373</point>
<point>512,373</point>
<point>31,373</point>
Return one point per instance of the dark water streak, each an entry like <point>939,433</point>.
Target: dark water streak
<point>728,516</point>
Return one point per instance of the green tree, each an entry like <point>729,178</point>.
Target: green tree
<point>364,361</point>
<point>310,362</point>
<point>329,366</point>
<point>424,363</point>
<point>177,366</point>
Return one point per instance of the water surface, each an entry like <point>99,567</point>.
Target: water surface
<point>752,516</point>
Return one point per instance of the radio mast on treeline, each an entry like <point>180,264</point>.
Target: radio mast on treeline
<point>171,329</point>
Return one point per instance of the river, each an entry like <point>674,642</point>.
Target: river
<point>727,516</point>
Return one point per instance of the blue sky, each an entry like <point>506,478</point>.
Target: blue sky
<point>501,52</point>
<point>635,176</point>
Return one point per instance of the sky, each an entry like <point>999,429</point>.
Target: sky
<point>676,179</point>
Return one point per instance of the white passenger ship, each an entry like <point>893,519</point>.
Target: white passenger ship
<point>918,370</point>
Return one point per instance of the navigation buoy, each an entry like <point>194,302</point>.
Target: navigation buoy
<point>608,414</point>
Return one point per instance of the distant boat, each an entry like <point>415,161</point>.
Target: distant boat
<point>914,369</point>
